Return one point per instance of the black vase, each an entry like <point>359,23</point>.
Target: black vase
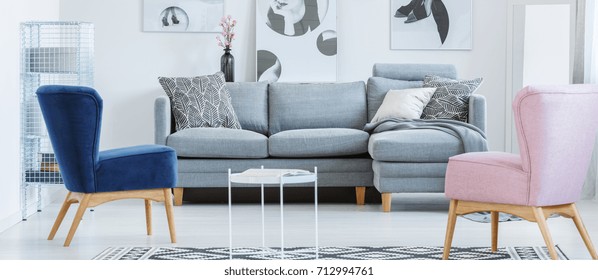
<point>227,65</point>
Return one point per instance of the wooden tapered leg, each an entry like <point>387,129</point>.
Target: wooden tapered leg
<point>360,195</point>
<point>541,220</point>
<point>583,232</point>
<point>148,216</point>
<point>494,217</point>
<point>386,201</point>
<point>169,214</point>
<point>178,196</point>
<point>450,228</point>
<point>65,208</point>
<point>80,211</point>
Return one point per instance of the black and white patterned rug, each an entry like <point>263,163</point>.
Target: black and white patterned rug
<point>326,253</point>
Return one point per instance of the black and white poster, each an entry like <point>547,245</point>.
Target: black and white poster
<point>296,40</point>
<point>182,15</point>
<point>431,24</point>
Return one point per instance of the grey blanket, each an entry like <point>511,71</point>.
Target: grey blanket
<point>473,138</point>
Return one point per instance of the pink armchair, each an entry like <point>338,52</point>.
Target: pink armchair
<point>556,129</point>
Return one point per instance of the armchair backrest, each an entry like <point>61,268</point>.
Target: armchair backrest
<point>556,129</point>
<point>73,117</point>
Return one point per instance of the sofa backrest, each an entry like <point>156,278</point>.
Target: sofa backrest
<point>250,101</point>
<point>305,106</point>
<point>400,76</point>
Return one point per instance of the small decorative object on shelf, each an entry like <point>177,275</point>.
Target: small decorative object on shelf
<point>227,61</point>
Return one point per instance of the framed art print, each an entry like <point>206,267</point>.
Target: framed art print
<point>296,40</point>
<point>182,15</point>
<point>431,24</point>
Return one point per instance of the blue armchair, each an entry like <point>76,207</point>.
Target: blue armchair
<point>73,117</point>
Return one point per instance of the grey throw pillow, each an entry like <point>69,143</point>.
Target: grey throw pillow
<point>202,101</point>
<point>451,98</point>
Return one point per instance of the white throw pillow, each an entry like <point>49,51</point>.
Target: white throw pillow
<point>405,103</point>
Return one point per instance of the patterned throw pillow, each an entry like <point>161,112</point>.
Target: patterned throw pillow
<point>451,99</point>
<point>202,101</point>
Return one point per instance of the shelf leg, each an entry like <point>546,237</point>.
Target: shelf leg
<point>39,198</point>
<point>24,201</point>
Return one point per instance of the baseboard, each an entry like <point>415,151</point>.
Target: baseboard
<point>10,221</point>
<point>49,195</point>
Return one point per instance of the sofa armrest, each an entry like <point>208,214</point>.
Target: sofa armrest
<point>477,111</point>
<point>162,120</point>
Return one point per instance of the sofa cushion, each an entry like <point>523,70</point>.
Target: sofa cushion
<point>250,101</point>
<point>218,143</point>
<point>417,145</point>
<point>413,72</point>
<point>307,106</point>
<point>202,101</point>
<point>325,142</point>
<point>379,87</point>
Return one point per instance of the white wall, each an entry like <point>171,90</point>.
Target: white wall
<point>537,69</point>
<point>128,61</point>
<point>10,18</point>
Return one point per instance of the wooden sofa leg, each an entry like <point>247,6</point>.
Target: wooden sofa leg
<point>360,195</point>
<point>386,200</point>
<point>178,196</point>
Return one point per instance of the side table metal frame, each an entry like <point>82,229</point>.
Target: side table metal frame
<point>280,181</point>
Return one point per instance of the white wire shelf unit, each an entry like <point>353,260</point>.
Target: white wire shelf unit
<point>52,53</point>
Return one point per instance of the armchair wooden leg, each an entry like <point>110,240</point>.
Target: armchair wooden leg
<point>494,217</point>
<point>178,196</point>
<point>360,195</point>
<point>63,210</point>
<point>583,232</point>
<point>541,220</point>
<point>80,211</point>
<point>169,214</point>
<point>386,201</point>
<point>148,216</point>
<point>450,228</point>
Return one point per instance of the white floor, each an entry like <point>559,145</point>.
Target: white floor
<point>414,220</point>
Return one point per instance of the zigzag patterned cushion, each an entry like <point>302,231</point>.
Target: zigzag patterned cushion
<point>451,99</point>
<point>202,101</point>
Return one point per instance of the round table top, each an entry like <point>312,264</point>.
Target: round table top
<point>273,176</point>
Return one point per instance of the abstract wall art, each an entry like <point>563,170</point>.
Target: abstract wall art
<point>431,24</point>
<point>182,15</point>
<point>296,40</point>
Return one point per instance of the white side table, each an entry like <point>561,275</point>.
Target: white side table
<point>274,177</point>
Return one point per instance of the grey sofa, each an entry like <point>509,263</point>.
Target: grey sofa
<point>300,126</point>
<point>284,126</point>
